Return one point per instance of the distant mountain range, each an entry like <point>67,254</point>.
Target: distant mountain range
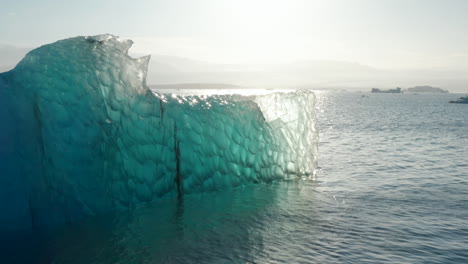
<point>426,89</point>
<point>195,86</point>
<point>169,70</point>
<point>10,56</point>
<point>416,89</point>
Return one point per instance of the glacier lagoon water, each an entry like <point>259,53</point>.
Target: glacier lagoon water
<point>392,187</point>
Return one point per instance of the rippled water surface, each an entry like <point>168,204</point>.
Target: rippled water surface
<point>392,188</point>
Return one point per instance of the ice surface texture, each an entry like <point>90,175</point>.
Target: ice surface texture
<point>82,134</point>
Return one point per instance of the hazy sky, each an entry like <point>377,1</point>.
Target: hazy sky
<point>398,34</point>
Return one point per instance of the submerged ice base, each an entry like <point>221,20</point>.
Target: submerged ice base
<point>82,134</point>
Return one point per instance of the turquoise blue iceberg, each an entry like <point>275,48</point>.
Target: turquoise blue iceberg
<point>83,135</point>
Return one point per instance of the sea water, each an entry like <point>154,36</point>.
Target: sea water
<point>392,187</point>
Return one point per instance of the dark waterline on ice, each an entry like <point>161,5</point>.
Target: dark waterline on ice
<point>392,188</point>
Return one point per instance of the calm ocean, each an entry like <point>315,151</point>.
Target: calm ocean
<point>392,187</point>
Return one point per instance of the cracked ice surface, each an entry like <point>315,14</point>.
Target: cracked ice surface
<point>84,135</point>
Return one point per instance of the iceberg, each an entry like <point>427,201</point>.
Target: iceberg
<point>83,135</point>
